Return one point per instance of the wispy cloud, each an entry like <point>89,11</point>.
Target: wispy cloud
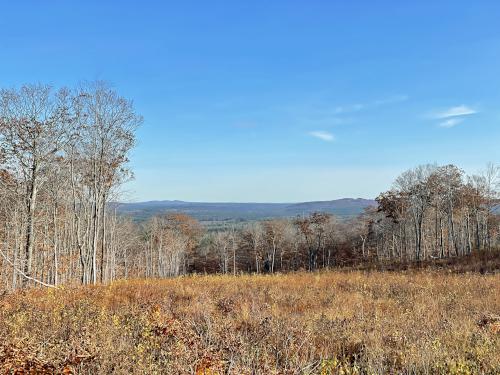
<point>347,109</point>
<point>323,135</point>
<point>370,105</point>
<point>461,110</point>
<point>391,100</point>
<point>451,122</point>
<point>453,116</point>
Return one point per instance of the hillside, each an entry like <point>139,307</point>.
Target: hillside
<point>210,212</point>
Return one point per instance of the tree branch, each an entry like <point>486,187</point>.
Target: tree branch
<point>24,275</point>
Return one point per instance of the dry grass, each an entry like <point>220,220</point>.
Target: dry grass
<point>325,323</point>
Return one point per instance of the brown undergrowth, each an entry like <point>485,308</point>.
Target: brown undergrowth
<point>305,323</point>
<point>483,262</point>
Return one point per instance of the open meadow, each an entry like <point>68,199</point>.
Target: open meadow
<point>351,322</point>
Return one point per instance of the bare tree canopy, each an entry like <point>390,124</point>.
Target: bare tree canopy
<point>63,154</point>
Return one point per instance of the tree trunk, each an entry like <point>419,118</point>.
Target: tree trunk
<point>30,227</point>
<point>56,260</point>
<point>103,240</point>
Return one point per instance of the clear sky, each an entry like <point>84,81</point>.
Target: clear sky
<point>276,101</point>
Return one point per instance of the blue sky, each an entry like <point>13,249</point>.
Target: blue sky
<point>276,100</point>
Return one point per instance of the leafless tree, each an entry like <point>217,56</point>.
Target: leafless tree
<point>34,122</point>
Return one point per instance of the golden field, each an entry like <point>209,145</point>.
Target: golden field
<point>336,322</point>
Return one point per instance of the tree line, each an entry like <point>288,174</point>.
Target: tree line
<point>431,212</point>
<point>64,155</point>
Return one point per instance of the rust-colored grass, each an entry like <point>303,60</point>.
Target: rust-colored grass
<point>325,323</point>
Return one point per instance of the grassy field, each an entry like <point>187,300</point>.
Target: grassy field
<point>326,323</point>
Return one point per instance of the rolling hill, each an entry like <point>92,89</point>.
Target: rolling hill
<point>238,212</point>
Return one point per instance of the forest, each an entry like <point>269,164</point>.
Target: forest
<point>64,157</point>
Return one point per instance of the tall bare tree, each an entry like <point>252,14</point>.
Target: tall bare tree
<point>34,124</point>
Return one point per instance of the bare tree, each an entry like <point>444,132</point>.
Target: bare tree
<point>414,185</point>
<point>34,123</point>
<point>105,134</point>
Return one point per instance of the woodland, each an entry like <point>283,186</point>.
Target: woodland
<point>64,157</point>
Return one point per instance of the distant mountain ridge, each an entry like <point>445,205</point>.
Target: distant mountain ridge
<point>205,211</point>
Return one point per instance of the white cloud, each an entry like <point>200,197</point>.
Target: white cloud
<point>461,110</point>
<point>450,122</point>
<point>454,115</point>
<point>370,105</point>
<point>325,136</point>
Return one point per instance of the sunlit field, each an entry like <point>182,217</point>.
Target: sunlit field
<point>305,323</point>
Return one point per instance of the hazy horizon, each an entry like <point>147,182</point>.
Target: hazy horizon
<point>242,202</point>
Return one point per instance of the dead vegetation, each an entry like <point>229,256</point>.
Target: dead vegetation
<point>303,323</point>
<point>483,262</point>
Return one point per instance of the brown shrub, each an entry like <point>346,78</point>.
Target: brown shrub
<point>316,323</point>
